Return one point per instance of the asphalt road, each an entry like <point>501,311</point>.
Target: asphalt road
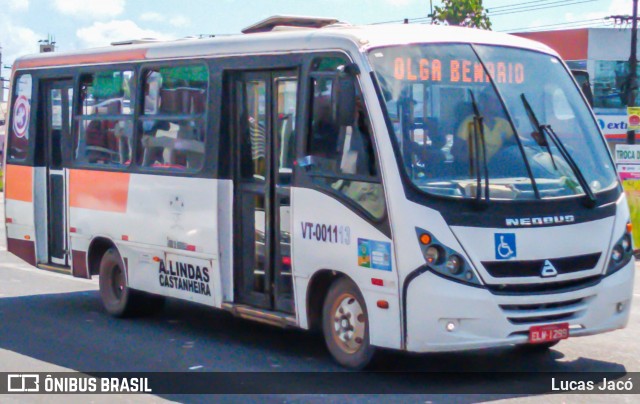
<point>51,322</point>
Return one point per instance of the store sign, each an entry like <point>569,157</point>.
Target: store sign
<point>627,154</point>
<point>633,117</point>
<point>629,171</point>
<point>628,164</point>
<point>612,124</point>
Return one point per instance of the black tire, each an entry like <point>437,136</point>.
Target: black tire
<point>347,341</point>
<point>117,298</point>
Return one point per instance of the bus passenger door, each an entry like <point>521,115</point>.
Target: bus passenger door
<point>264,121</point>
<point>58,106</point>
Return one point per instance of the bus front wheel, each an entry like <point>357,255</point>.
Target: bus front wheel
<point>345,325</point>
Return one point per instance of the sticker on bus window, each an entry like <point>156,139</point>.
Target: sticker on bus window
<point>374,254</point>
<point>22,107</point>
<point>21,114</point>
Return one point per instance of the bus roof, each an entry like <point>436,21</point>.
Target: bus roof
<point>281,40</point>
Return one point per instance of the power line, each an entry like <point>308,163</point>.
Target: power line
<point>505,10</point>
<point>516,5</point>
<point>555,24</point>
<point>587,25</point>
<point>540,7</point>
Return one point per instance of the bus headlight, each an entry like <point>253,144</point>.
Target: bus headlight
<point>445,261</point>
<point>454,264</point>
<point>621,253</point>
<point>433,255</point>
<point>617,254</point>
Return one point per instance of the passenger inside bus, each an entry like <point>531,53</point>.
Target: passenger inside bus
<point>503,153</point>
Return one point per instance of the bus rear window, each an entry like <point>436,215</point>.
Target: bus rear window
<point>20,117</point>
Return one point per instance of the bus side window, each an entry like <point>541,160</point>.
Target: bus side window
<point>343,158</point>
<point>105,121</point>
<point>171,134</point>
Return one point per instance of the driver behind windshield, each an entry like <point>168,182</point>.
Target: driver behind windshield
<point>498,134</point>
<point>503,156</point>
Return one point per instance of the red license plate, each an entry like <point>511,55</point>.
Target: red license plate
<point>547,333</point>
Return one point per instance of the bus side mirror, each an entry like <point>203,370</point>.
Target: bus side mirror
<point>586,90</point>
<point>582,78</point>
<point>343,96</point>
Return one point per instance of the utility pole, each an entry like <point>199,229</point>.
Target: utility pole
<point>1,78</point>
<point>632,79</point>
<point>633,63</point>
<point>632,86</point>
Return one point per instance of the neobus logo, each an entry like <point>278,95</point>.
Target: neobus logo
<point>540,221</point>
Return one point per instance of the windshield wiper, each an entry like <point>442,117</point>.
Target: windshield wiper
<point>545,130</point>
<point>478,135</point>
<point>541,141</point>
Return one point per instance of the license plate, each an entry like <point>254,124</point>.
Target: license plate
<point>547,333</point>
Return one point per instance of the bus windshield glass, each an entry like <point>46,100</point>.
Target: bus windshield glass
<point>494,122</point>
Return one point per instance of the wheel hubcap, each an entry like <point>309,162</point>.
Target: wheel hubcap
<point>118,282</point>
<point>349,323</point>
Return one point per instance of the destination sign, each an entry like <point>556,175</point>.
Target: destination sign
<point>457,71</point>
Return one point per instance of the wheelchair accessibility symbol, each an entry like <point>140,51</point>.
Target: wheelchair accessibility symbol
<point>505,244</point>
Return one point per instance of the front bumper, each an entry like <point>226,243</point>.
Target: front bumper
<point>482,319</point>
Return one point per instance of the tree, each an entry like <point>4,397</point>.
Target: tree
<point>466,13</point>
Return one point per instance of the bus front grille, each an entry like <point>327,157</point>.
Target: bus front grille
<point>533,268</point>
<point>543,288</point>
<point>544,312</point>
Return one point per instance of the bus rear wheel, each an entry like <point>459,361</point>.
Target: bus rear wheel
<point>117,298</point>
<point>345,325</point>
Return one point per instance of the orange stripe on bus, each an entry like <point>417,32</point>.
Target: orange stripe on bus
<point>101,57</point>
<point>19,183</point>
<point>99,190</point>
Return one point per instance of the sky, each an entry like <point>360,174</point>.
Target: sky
<point>80,24</point>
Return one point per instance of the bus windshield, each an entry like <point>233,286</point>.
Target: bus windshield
<point>494,122</point>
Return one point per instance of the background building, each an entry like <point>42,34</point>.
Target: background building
<point>604,54</point>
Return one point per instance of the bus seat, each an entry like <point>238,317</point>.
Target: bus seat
<point>198,101</point>
<point>175,100</point>
<point>100,141</point>
<point>189,144</point>
<point>112,106</point>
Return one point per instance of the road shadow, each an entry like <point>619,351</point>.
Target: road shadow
<point>72,330</point>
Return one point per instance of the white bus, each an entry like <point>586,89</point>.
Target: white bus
<point>412,187</point>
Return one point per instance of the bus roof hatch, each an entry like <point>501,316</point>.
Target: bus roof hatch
<point>272,22</point>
